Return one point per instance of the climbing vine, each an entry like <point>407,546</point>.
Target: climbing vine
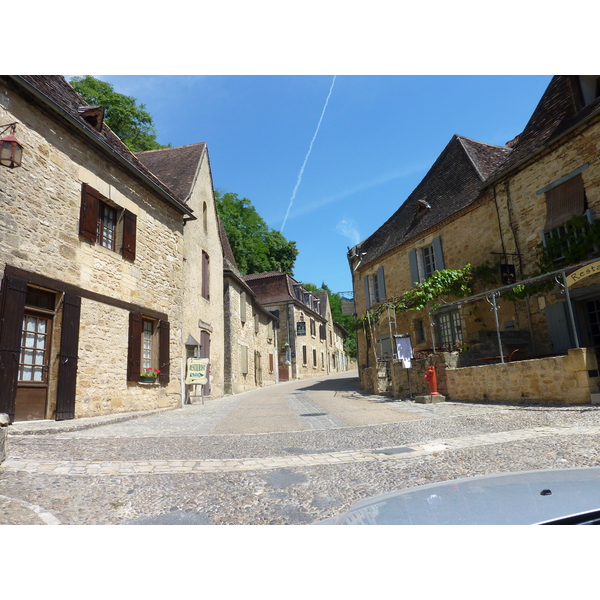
<point>577,240</point>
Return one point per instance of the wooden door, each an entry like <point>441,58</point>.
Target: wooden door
<point>34,363</point>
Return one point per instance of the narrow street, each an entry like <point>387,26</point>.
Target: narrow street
<point>293,453</point>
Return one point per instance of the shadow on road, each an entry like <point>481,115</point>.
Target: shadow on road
<point>340,384</point>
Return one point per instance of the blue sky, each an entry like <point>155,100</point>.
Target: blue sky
<point>375,140</point>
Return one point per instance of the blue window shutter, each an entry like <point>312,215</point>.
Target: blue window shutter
<point>414,268</point>
<point>367,295</point>
<point>438,255</point>
<point>381,283</point>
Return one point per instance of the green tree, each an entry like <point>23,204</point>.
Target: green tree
<point>256,247</point>
<point>128,119</point>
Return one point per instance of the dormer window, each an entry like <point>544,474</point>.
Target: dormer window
<point>590,88</point>
<point>93,115</point>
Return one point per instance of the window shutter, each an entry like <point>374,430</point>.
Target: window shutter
<point>88,214</point>
<point>164,343</point>
<point>414,267</point>
<point>67,366</point>
<point>381,283</point>
<point>243,307</point>
<point>134,358</point>
<point>271,363</point>
<point>270,331</point>
<point>438,255</point>
<point>564,202</point>
<point>12,305</point>
<point>367,292</point>
<point>244,359</point>
<point>129,234</point>
<point>205,276</point>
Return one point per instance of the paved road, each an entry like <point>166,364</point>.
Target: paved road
<point>293,453</point>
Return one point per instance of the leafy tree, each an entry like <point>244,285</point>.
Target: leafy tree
<point>256,247</point>
<point>128,119</point>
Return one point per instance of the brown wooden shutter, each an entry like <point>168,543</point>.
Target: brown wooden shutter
<point>67,366</point>
<point>164,343</point>
<point>129,234</point>
<point>134,354</point>
<point>88,216</point>
<point>271,363</point>
<point>12,305</point>
<point>205,276</point>
<point>564,202</point>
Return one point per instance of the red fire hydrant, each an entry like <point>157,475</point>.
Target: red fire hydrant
<point>431,381</point>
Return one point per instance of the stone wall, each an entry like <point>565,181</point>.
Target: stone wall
<point>555,380</point>
<point>39,233</point>
<point>252,336</point>
<point>199,313</point>
<point>3,436</point>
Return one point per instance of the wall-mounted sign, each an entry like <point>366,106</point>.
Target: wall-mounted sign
<point>584,272</point>
<point>301,328</point>
<point>197,369</point>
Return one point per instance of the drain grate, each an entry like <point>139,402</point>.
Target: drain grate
<point>314,414</point>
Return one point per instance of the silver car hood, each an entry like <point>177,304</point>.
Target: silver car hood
<point>521,498</point>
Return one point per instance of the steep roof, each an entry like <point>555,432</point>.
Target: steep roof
<point>272,286</point>
<point>176,167</point>
<point>561,107</point>
<point>452,183</point>
<point>57,95</point>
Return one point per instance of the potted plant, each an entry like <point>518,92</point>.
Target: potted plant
<point>149,375</point>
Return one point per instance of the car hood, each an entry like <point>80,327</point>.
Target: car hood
<point>521,498</point>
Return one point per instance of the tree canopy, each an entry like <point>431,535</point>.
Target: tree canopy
<point>256,247</point>
<point>128,119</point>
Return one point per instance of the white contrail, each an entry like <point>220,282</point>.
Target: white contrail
<point>307,155</point>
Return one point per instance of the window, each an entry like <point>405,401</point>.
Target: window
<point>205,276</point>
<point>450,329</point>
<point>424,261</point>
<point>35,344</point>
<point>304,358</point>
<point>106,224</point>
<point>205,217</point>
<point>256,323</point>
<point>419,330</point>
<point>313,329</point>
<point>314,357</point>
<point>149,347</point>
<point>375,287</point>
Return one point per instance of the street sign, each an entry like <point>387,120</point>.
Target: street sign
<point>196,371</point>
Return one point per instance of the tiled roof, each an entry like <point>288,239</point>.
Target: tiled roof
<point>58,94</point>
<point>560,108</point>
<point>452,183</point>
<point>176,167</point>
<point>227,251</point>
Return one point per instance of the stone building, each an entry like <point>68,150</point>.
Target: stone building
<point>498,208</point>
<point>186,171</point>
<point>303,348</point>
<point>250,332</point>
<point>443,224</point>
<point>91,254</point>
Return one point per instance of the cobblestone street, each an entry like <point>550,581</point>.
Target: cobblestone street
<point>294,453</point>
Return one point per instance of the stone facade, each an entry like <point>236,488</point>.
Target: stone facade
<point>549,173</point>
<point>42,250</point>
<point>304,321</point>
<point>186,170</point>
<point>250,339</point>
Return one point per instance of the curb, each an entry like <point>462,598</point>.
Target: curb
<point>53,427</point>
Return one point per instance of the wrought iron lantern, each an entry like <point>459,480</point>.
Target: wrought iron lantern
<point>11,150</point>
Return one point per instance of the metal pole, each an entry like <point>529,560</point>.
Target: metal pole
<point>568,297</point>
<point>495,309</point>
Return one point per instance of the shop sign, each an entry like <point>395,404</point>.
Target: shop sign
<point>197,369</point>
